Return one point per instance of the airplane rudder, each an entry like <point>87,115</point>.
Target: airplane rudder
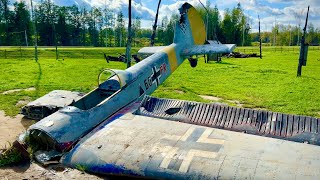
<point>197,26</point>
<point>190,28</point>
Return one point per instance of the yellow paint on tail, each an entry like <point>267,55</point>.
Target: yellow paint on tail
<point>197,26</point>
<point>173,61</point>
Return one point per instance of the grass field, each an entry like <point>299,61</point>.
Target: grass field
<point>270,83</point>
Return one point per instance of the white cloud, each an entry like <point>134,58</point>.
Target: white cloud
<point>169,10</point>
<point>285,16</point>
<point>268,9</point>
<point>138,8</point>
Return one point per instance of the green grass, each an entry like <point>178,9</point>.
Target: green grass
<point>270,83</point>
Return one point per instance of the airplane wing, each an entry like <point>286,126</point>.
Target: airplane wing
<point>208,49</point>
<point>171,139</point>
<point>150,50</point>
<point>193,50</point>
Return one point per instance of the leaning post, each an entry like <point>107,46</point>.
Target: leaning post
<point>303,48</point>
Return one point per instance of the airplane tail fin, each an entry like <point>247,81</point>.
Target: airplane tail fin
<point>190,29</point>
<point>191,33</point>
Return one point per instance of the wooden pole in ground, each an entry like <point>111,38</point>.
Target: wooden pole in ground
<point>302,47</point>
<point>128,49</point>
<point>260,39</point>
<point>53,31</point>
<point>35,33</point>
<point>26,37</point>
<point>154,27</point>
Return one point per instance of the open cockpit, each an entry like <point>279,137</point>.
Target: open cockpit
<point>109,83</point>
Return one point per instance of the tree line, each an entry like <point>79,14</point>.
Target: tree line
<point>65,26</point>
<point>287,35</point>
<point>101,27</point>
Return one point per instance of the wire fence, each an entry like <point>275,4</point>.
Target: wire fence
<point>62,53</point>
<point>98,53</point>
<point>281,49</point>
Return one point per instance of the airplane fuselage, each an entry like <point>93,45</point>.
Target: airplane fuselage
<point>139,80</point>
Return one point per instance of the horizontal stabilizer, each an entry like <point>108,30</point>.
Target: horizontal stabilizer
<point>208,49</point>
<point>150,50</point>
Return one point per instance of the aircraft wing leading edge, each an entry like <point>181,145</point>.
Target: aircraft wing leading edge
<point>208,49</point>
<point>156,148</point>
<point>150,50</point>
<point>193,50</point>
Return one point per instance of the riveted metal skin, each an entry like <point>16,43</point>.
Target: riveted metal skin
<point>258,122</point>
<point>49,104</point>
<point>137,145</point>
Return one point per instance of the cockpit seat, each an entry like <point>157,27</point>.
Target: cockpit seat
<point>109,87</point>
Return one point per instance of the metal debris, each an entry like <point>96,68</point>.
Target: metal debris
<point>48,157</point>
<point>49,104</point>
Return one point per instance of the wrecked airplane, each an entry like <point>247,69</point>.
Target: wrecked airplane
<point>118,129</point>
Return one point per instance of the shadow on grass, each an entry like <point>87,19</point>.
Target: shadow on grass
<point>185,89</point>
<point>219,62</point>
<point>309,77</point>
<point>38,78</point>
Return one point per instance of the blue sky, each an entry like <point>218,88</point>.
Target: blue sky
<point>271,11</point>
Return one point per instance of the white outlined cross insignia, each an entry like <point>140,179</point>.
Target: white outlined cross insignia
<point>194,143</point>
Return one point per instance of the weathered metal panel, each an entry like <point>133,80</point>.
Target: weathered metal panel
<point>49,103</point>
<point>258,122</point>
<point>208,49</point>
<point>154,148</point>
<point>150,50</point>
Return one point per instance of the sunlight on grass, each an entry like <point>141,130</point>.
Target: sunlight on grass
<point>270,83</point>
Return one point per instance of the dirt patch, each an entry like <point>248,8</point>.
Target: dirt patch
<point>34,171</point>
<point>210,98</point>
<point>10,129</point>
<point>236,102</point>
<point>18,90</point>
<point>179,91</point>
<point>217,99</point>
<point>24,101</point>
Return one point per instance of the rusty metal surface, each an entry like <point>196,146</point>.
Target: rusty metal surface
<point>156,148</point>
<point>258,122</point>
<point>49,103</point>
